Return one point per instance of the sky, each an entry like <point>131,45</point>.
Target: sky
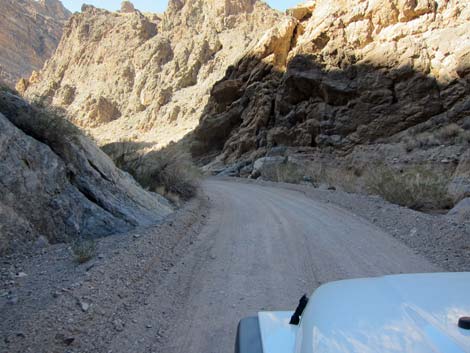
<point>155,5</point>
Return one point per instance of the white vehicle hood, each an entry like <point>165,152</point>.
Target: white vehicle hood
<point>393,314</point>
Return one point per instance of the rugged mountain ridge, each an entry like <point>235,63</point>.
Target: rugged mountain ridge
<point>57,184</point>
<point>30,31</point>
<point>135,77</point>
<point>340,90</point>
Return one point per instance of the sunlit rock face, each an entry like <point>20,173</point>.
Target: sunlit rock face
<point>343,86</point>
<point>29,34</point>
<point>133,76</point>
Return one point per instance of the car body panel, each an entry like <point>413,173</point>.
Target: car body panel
<point>249,336</point>
<point>401,313</point>
<point>415,313</point>
<point>277,335</point>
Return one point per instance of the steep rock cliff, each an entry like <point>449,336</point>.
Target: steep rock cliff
<point>29,34</point>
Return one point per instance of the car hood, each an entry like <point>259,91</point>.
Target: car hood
<point>403,313</point>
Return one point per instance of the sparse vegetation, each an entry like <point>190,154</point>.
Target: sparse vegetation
<point>345,180</point>
<point>446,135</point>
<point>83,250</point>
<point>171,172</point>
<point>42,122</point>
<point>449,132</point>
<point>54,120</point>
<point>417,188</point>
<point>288,173</point>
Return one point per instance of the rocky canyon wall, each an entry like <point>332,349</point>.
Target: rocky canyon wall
<point>340,90</point>
<point>58,185</point>
<point>30,31</point>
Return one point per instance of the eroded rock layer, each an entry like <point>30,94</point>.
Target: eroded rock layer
<point>57,184</point>
<point>30,31</point>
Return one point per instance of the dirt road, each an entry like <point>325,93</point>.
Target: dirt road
<point>183,285</point>
<point>262,248</point>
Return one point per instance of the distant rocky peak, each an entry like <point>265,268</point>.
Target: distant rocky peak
<point>54,8</point>
<point>222,7</point>
<point>127,7</point>
<point>193,13</point>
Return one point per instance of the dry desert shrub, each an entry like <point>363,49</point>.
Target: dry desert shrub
<point>449,132</point>
<point>447,135</point>
<point>417,188</point>
<point>283,172</point>
<point>171,171</point>
<point>288,173</point>
<point>83,250</point>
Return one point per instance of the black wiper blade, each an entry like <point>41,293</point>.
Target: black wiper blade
<point>295,319</point>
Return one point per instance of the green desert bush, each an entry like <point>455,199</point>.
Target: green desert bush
<point>83,250</point>
<point>417,188</point>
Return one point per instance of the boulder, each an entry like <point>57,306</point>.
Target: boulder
<point>101,110</point>
<point>459,187</point>
<point>226,91</point>
<point>264,163</point>
<point>461,211</point>
<point>301,11</point>
<point>127,7</point>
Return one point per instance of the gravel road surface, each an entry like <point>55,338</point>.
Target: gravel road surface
<point>183,285</point>
<point>261,249</point>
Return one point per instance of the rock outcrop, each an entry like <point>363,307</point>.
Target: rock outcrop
<point>30,31</point>
<point>135,77</point>
<point>350,86</point>
<point>57,184</point>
